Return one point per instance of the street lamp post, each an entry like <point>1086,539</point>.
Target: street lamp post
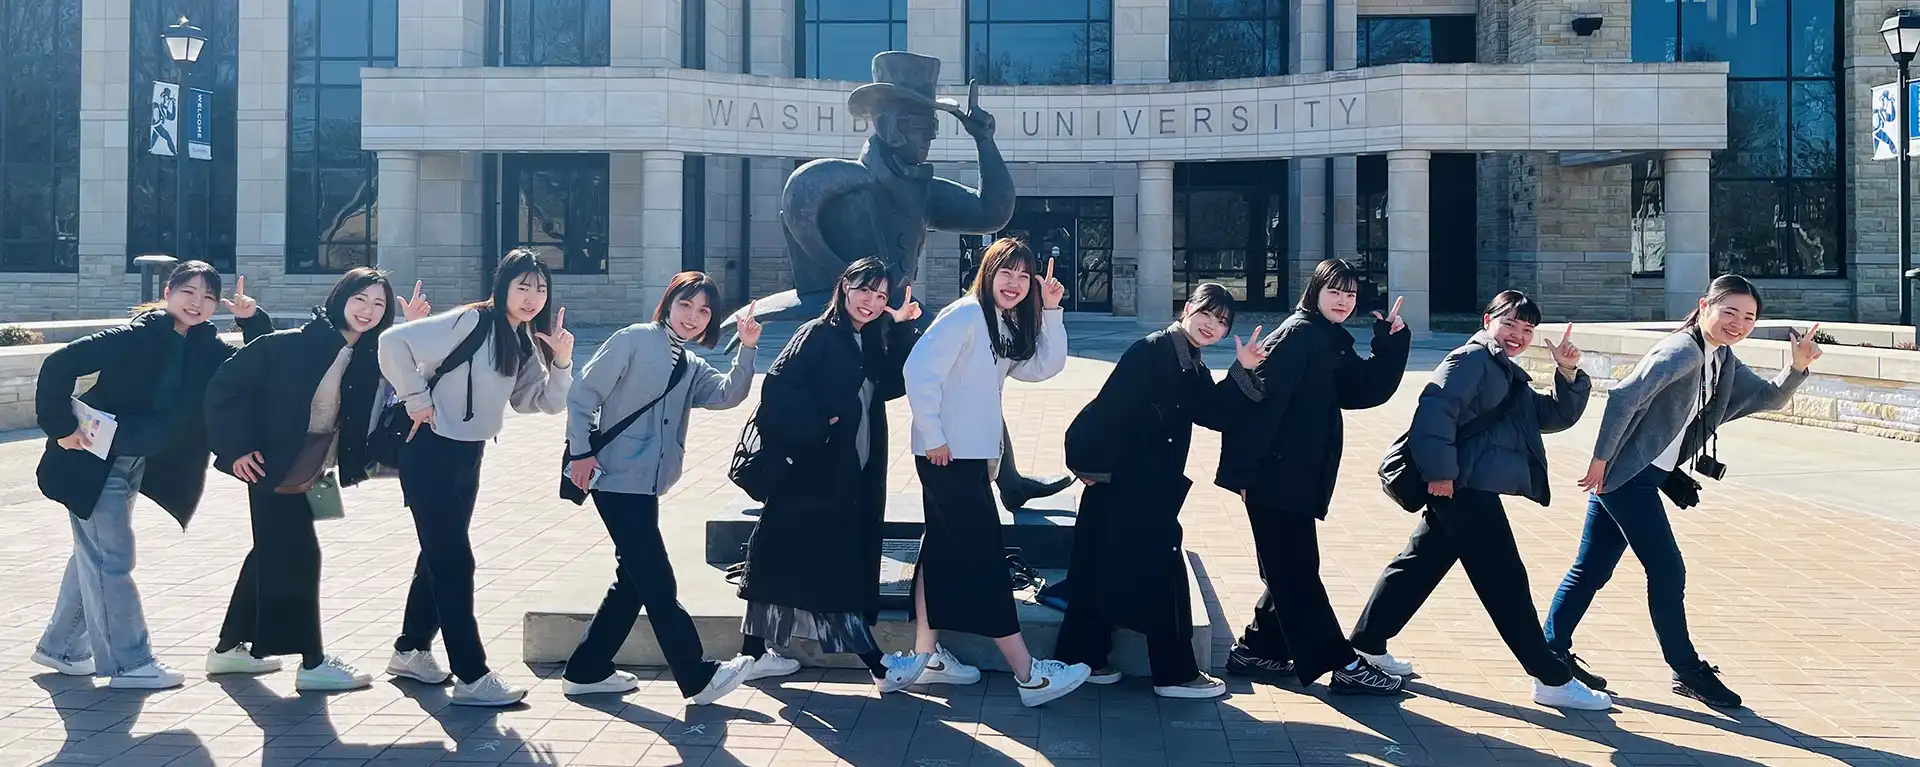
<point>1902,35</point>
<point>184,42</point>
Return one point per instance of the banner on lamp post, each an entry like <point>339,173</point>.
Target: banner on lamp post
<point>1887,106</point>
<point>163,129</point>
<point>198,125</point>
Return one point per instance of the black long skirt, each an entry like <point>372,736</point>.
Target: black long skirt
<point>963,564</point>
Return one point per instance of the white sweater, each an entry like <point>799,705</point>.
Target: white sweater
<point>954,380</point>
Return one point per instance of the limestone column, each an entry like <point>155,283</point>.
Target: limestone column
<point>772,40</point>
<point>398,211</point>
<point>1408,225</point>
<point>1154,275</point>
<point>1140,46</point>
<point>1688,193</point>
<point>660,221</point>
<point>938,28</point>
<point>645,34</point>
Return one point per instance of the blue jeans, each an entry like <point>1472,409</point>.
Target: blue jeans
<point>1632,515</point>
<point>98,613</point>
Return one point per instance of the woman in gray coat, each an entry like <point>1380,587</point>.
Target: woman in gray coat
<point>1476,437</point>
<point>1658,419</point>
<point>634,369</point>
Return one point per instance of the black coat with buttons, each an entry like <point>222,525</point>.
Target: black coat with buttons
<point>262,399</point>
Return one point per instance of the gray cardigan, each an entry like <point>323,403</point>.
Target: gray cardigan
<point>627,372</point>
<point>1649,408</point>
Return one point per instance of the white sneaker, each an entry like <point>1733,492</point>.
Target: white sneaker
<point>725,679</point>
<point>943,668</point>
<point>240,660</point>
<point>418,665</point>
<point>1386,662</point>
<point>1574,694</point>
<point>1202,687</point>
<point>903,670</point>
<point>153,676</point>
<point>616,682</point>
<point>332,675</point>
<point>491,690</point>
<point>82,667</point>
<point>1105,675</point>
<point>1048,680</point>
<point>770,664</point>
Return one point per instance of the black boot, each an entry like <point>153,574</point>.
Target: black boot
<point>1017,490</point>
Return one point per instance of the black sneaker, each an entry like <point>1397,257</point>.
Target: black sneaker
<point>1364,678</point>
<point>1580,672</point>
<point>1242,662</point>
<point>1703,684</point>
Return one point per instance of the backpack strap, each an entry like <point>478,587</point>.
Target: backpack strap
<point>602,438</point>
<point>1485,421</point>
<point>463,353</point>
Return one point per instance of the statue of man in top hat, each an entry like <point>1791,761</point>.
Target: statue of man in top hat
<point>838,211</point>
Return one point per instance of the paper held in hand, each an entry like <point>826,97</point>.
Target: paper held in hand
<point>98,426</point>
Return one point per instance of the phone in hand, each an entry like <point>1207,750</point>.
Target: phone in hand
<point>593,480</point>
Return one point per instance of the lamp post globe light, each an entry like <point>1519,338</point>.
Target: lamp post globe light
<point>184,42</point>
<point>1902,35</point>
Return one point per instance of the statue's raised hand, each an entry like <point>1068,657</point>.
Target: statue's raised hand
<point>977,121</point>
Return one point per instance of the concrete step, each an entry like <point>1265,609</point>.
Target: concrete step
<point>1042,531</point>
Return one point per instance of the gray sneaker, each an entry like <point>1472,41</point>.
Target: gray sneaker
<point>1202,687</point>
<point>490,690</point>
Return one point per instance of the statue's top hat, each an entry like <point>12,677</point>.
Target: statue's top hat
<point>902,76</point>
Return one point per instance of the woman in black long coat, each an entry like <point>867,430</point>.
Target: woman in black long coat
<point>1283,459</point>
<point>813,563</point>
<point>1129,445</point>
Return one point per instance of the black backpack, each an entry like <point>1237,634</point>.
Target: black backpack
<point>390,432</point>
<point>1401,479</point>
<point>757,469</point>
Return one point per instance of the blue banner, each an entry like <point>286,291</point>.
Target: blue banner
<point>198,125</point>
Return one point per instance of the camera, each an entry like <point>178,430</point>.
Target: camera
<point>1710,467</point>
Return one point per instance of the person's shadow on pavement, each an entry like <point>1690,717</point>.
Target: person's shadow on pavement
<point>99,725</point>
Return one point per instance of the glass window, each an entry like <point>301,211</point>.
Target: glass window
<point>693,213</point>
<point>1649,246</point>
<point>1385,40</point>
<point>1227,39</point>
<point>693,35</point>
<point>1229,227</point>
<point>40,136</point>
<point>551,33</point>
<point>1040,42</point>
<point>839,38</point>
<point>152,181</point>
<point>1778,184</point>
<point>557,206</point>
<point>332,183</point>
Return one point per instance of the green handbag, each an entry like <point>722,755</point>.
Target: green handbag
<point>324,498</point>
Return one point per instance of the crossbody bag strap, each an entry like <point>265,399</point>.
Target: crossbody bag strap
<point>1485,421</point>
<point>673,380</point>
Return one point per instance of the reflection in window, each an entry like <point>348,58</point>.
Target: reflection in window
<point>838,38</point>
<point>1649,229</point>
<point>1040,42</point>
<point>1229,226</point>
<point>331,182</point>
<point>40,136</point>
<point>550,33</point>
<point>211,184</point>
<point>1385,40</point>
<point>1777,202</point>
<point>1227,39</point>
<point>557,207</point>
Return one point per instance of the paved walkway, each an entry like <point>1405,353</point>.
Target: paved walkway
<point>1803,592</point>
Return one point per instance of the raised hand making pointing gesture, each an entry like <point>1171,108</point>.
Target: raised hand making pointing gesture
<point>1565,354</point>
<point>559,340</point>
<point>1051,291</point>
<point>908,311</point>
<point>1250,355</point>
<point>241,305</point>
<point>1393,317</point>
<point>417,307</point>
<point>748,328</point>
<point>1806,350</point>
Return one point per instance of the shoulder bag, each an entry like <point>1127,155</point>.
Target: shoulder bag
<point>597,439</point>
<point>1401,479</point>
<point>390,432</point>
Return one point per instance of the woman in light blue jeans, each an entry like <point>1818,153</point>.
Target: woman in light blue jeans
<point>153,375</point>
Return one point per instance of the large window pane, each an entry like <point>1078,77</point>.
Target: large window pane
<point>1040,42</point>
<point>332,184</point>
<point>1813,48</point>
<point>1649,228</point>
<point>39,135</point>
<point>1656,30</point>
<point>206,232</point>
<point>1756,131</point>
<point>1227,39</point>
<point>1816,132</point>
<point>1748,34</point>
<point>1745,217</point>
<point>1385,40</point>
<point>1813,236</point>
<point>839,38</point>
<point>557,206</point>
<point>552,33</point>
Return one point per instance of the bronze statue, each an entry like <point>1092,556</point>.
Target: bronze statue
<point>837,211</point>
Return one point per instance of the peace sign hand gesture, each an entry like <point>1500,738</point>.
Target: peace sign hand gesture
<point>1250,357</point>
<point>1393,317</point>
<point>417,307</point>
<point>242,306</point>
<point>1805,349</point>
<point>559,340</point>
<point>908,311</point>
<point>1051,291</point>
<point>1565,354</point>
<point>748,328</point>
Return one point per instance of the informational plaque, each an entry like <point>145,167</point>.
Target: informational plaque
<point>898,557</point>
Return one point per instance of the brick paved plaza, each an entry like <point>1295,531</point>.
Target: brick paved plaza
<point>1803,573</point>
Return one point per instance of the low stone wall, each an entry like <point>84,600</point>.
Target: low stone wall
<point>1868,390</point>
<point>20,372</point>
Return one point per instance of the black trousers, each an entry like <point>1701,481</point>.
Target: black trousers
<point>1085,637</point>
<point>276,602</point>
<point>643,577</point>
<point>440,478</point>
<point>963,562</point>
<point>1294,617</point>
<point>1471,528</point>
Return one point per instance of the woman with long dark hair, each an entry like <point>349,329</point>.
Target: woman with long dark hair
<point>1659,418</point>
<point>283,412</point>
<point>1476,437</point>
<point>517,353</point>
<point>1283,458</point>
<point>1009,324</point>
<point>648,367</point>
<point>153,381</point>
<point>1129,445</point>
<point>813,563</point>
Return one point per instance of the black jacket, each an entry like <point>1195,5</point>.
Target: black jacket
<point>174,441</point>
<point>1508,457</point>
<point>1286,453</point>
<point>817,544</point>
<point>1132,439</point>
<point>262,399</point>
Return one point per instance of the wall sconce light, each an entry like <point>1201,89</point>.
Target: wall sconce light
<point>1585,26</point>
